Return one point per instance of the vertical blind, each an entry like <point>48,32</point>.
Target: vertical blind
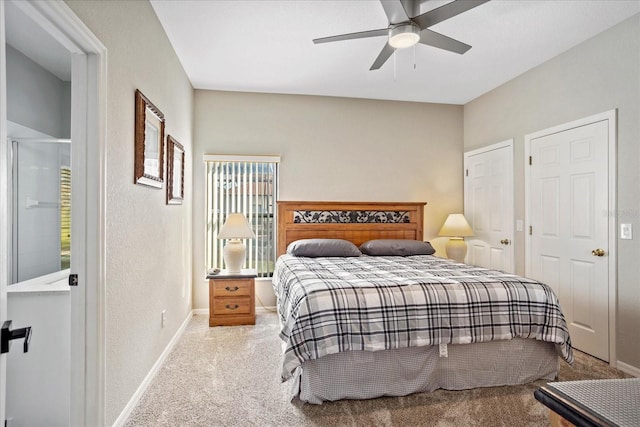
<point>65,218</point>
<point>247,185</point>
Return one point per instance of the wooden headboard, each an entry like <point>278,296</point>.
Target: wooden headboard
<point>353,221</point>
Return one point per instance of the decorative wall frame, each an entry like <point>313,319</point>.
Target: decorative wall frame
<point>175,172</point>
<point>149,143</point>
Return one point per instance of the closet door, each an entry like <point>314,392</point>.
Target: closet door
<point>570,229</point>
<point>488,206</point>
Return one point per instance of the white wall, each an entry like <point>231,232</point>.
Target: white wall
<point>335,149</point>
<point>600,74</point>
<point>148,247</point>
<point>36,98</point>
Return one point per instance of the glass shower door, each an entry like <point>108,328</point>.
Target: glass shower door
<point>41,202</point>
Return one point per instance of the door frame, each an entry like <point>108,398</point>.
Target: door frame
<point>4,208</point>
<point>88,129</point>
<point>509,143</point>
<point>611,117</point>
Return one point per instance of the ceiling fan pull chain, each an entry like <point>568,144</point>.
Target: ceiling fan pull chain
<point>414,56</point>
<point>394,65</point>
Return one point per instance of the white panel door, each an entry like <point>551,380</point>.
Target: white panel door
<point>488,206</point>
<point>569,228</point>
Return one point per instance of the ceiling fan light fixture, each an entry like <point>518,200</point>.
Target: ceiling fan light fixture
<point>404,35</point>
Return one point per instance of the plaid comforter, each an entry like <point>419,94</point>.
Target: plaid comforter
<point>330,305</point>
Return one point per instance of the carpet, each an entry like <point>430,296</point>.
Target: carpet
<point>229,376</point>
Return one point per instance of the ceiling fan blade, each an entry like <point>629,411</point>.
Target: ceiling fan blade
<point>395,11</point>
<point>431,38</point>
<point>350,36</point>
<point>412,7</point>
<point>385,53</point>
<point>445,12</point>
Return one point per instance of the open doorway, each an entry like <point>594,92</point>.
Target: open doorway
<point>38,99</point>
<point>79,384</point>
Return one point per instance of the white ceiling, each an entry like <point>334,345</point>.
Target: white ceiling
<point>266,46</point>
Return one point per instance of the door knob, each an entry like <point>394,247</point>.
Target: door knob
<point>598,252</point>
<point>504,241</point>
<point>7,335</point>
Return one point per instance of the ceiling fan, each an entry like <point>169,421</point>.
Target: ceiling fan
<point>407,27</point>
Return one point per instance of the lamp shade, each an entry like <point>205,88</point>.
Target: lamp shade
<point>236,227</point>
<point>456,225</point>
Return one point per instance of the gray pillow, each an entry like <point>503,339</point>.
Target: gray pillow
<point>396,247</point>
<point>323,247</point>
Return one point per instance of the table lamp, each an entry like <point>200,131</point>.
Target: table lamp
<point>236,227</point>
<point>456,228</point>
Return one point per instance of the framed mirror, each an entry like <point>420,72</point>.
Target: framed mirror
<point>175,172</point>
<point>149,142</point>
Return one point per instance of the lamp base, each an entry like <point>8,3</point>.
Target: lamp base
<point>456,249</point>
<point>234,254</point>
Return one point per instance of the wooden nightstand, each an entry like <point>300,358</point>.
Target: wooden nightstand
<point>232,298</point>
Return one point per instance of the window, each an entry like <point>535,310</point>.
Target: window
<point>246,184</point>
<point>65,218</point>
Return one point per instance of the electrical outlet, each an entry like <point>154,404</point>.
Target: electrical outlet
<point>163,318</point>
<point>626,231</point>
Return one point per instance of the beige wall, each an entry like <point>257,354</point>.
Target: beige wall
<point>336,149</point>
<point>148,248</point>
<point>599,75</point>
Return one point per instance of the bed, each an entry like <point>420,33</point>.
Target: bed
<point>359,327</point>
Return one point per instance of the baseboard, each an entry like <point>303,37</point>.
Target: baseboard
<point>202,311</point>
<point>631,370</point>
<point>120,421</point>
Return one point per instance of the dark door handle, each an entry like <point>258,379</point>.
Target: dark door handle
<point>73,280</point>
<point>7,335</point>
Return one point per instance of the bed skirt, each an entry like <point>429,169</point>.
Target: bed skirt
<point>399,372</point>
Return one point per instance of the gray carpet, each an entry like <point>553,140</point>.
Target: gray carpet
<point>229,376</point>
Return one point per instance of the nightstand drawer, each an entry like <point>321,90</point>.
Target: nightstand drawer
<point>225,306</point>
<point>232,288</point>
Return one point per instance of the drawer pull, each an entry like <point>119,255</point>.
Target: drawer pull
<point>232,306</point>
<point>230,289</point>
